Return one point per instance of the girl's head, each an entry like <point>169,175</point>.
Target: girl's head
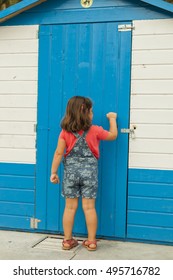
<point>78,114</point>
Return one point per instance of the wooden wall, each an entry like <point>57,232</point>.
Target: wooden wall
<point>152,95</point>
<point>18,93</point>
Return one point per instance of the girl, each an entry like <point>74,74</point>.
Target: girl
<point>81,140</point>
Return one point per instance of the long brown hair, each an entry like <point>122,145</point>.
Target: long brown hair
<point>77,114</point>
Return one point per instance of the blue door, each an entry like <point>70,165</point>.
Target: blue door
<point>91,60</point>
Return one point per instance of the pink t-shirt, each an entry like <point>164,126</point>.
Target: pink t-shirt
<point>94,135</point>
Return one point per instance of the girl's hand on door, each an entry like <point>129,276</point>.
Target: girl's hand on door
<point>54,178</point>
<point>111,115</point>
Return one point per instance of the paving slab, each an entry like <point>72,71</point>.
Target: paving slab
<point>35,246</point>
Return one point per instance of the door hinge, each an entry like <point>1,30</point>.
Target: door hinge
<point>125,27</point>
<point>34,223</point>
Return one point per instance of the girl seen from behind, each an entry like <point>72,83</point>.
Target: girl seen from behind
<point>79,140</point>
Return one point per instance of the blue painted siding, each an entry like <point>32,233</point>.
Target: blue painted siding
<point>58,12</point>
<point>42,125</point>
<point>17,195</point>
<point>75,4</point>
<point>150,205</point>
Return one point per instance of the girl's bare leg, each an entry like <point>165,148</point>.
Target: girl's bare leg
<point>91,218</point>
<point>68,217</point>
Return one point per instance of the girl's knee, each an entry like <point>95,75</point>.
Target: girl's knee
<point>71,204</point>
<point>88,204</point>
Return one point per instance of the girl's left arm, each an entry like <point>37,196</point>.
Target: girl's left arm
<point>59,152</point>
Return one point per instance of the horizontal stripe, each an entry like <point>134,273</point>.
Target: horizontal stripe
<point>19,209</point>
<point>146,175</point>
<point>14,222</point>
<point>151,204</point>
<point>150,190</point>
<point>150,219</point>
<point>17,195</point>
<point>150,233</point>
<point>17,169</point>
<point>17,182</point>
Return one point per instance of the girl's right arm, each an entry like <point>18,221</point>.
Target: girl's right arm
<point>59,152</point>
<point>113,131</point>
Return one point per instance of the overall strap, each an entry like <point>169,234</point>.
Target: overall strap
<point>78,136</point>
<point>85,134</point>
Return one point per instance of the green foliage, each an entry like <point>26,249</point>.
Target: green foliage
<point>170,1</point>
<point>7,3</point>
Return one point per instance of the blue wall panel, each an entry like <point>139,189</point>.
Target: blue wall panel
<point>17,195</point>
<point>150,233</point>
<point>75,4</point>
<point>42,124</point>
<point>16,208</point>
<point>159,190</point>
<point>54,12</point>
<point>150,205</point>
<point>147,218</point>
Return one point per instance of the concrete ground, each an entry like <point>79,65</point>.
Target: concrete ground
<point>33,246</point>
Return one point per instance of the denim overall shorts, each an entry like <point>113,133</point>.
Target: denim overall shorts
<point>80,170</point>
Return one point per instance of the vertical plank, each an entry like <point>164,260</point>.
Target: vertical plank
<point>42,128</point>
<point>53,217</point>
<point>123,122</point>
<point>108,149</point>
<point>84,53</point>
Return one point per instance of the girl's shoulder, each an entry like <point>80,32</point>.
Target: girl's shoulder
<point>98,131</point>
<point>65,134</point>
<point>96,128</point>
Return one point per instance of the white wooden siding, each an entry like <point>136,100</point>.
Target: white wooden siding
<point>9,87</point>
<point>152,95</point>
<point>18,93</point>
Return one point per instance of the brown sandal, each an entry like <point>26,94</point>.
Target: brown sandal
<point>87,244</point>
<point>69,244</point>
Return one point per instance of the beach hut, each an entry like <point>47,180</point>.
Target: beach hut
<point>118,53</point>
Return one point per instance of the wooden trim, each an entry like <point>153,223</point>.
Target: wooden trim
<point>160,4</point>
<point>17,9</point>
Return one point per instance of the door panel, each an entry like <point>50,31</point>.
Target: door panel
<point>86,59</point>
